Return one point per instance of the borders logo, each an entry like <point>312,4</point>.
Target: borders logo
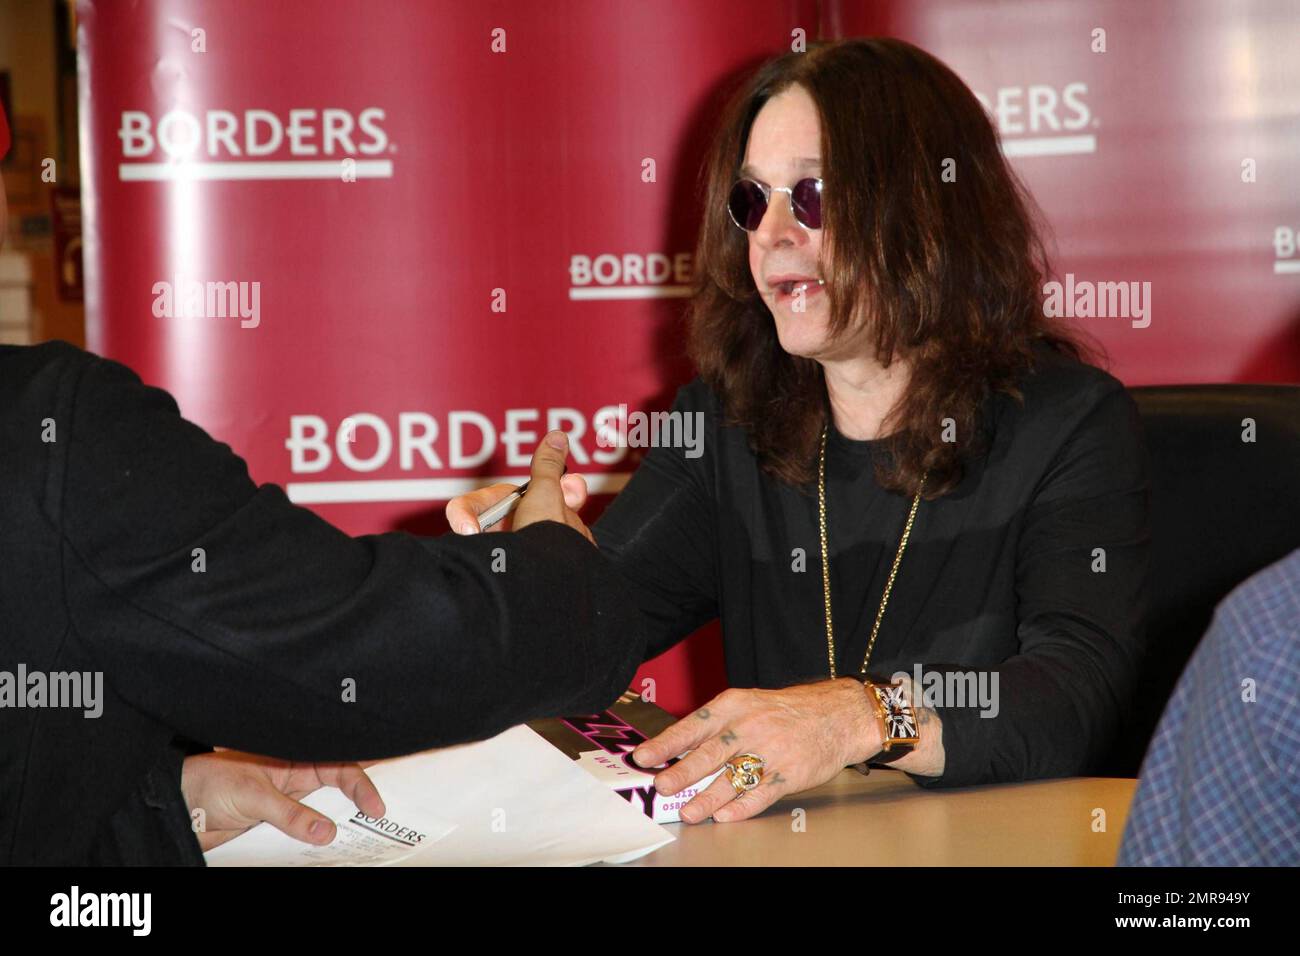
<point>630,275</point>
<point>1037,120</point>
<point>254,144</point>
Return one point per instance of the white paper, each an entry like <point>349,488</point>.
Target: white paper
<point>403,830</point>
<point>518,801</point>
<point>513,800</point>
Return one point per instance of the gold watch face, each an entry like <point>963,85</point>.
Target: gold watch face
<point>900,722</point>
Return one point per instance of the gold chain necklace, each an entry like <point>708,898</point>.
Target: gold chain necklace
<point>826,567</point>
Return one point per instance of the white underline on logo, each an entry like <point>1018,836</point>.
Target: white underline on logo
<point>1050,146</point>
<point>424,489</point>
<point>1286,266</point>
<point>588,292</point>
<point>289,169</point>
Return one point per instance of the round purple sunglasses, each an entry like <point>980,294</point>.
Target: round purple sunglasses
<point>748,201</point>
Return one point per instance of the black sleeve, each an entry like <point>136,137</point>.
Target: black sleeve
<point>661,532</point>
<point>1080,629</point>
<point>294,639</point>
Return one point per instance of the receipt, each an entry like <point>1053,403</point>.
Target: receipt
<point>360,840</point>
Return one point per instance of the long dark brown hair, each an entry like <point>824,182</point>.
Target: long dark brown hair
<point>953,271</point>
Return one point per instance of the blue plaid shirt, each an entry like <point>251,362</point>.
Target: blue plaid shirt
<point>1220,784</point>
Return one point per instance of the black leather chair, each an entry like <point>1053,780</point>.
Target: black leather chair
<point>1221,509</point>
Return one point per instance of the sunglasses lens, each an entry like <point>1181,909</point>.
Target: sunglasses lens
<point>747,205</point>
<point>806,197</point>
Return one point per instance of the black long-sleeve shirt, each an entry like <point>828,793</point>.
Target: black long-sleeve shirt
<point>108,497</point>
<point>1003,574</point>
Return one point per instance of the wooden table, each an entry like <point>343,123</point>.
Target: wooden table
<point>886,819</point>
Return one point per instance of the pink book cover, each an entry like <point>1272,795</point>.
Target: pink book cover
<point>603,743</point>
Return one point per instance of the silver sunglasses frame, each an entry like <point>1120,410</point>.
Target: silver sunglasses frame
<point>767,191</point>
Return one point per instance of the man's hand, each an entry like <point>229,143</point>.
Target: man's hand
<point>237,790</point>
<point>806,734</point>
<point>551,496</point>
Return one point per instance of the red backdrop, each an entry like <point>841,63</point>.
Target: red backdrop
<point>512,252</point>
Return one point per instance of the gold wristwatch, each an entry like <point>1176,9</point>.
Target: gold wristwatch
<point>899,732</point>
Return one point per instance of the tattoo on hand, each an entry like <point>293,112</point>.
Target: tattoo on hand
<point>702,713</point>
<point>775,778</point>
<point>728,737</point>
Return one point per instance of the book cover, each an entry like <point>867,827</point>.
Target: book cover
<point>602,744</point>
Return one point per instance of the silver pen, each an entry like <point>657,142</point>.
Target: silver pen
<point>506,505</point>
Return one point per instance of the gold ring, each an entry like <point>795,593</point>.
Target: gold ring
<point>745,771</point>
